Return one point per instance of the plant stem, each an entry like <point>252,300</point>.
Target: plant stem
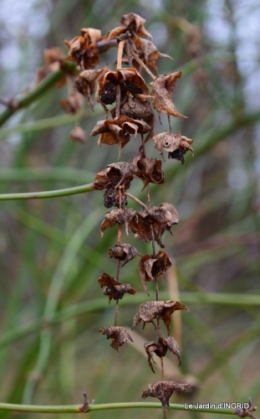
<point>48,194</point>
<point>109,406</point>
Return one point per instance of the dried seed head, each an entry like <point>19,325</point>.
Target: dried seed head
<point>124,252</point>
<point>85,84</point>
<point>73,103</point>
<point>152,222</point>
<point>114,289</point>
<point>151,310</point>
<point>78,135</point>
<point>151,267</point>
<point>119,335</point>
<point>176,144</point>
<point>148,169</point>
<point>163,390</point>
<point>117,216</point>
<point>160,348</point>
<point>83,49</point>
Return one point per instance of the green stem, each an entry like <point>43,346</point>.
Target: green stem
<point>108,406</point>
<point>39,90</point>
<point>48,194</point>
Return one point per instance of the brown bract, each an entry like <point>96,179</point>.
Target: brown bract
<point>152,222</point>
<point>163,390</point>
<point>83,49</point>
<point>160,348</point>
<point>117,216</point>
<point>148,169</point>
<point>115,174</point>
<point>151,267</point>
<point>72,104</point>
<point>176,145</point>
<point>78,135</point>
<point>85,84</point>
<point>162,90</point>
<point>118,130</point>
<point>114,289</point>
<point>124,252</point>
<point>119,335</point>
<point>151,310</point>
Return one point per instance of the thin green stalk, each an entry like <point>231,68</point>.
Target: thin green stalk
<point>48,194</point>
<point>109,406</point>
<point>97,304</point>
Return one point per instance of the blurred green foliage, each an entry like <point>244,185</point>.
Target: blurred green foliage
<point>51,253</point>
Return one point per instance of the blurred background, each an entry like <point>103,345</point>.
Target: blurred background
<point>51,253</point>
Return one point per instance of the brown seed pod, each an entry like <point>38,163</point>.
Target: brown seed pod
<point>151,310</point>
<point>160,348</point>
<point>124,252</point>
<point>119,335</point>
<point>176,145</point>
<point>114,289</point>
<point>150,267</point>
<point>117,216</point>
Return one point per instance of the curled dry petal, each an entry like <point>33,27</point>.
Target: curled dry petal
<point>152,222</point>
<point>117,216</point>
<point>85,84</point>
<point>119,335</point>
<point>162,90</point>
<point>151,310</point>
<point>163,390</point>
<point>150,267</point>
<point>124,252</point>
<point>78,135</point>
<point>118,130</point>
<point>176,145</point>
<point>72,104</point>
<point>160,348</point>
<point>114,289</point>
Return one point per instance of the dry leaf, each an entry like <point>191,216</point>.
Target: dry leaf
<point>176,145</point>
<point>151,310</point>
<point>114,289</point>
<point>119,335</point>
<point>162,90</point>
<point>124,252</point>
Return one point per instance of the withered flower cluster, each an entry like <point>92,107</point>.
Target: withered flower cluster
<point>131,116</point>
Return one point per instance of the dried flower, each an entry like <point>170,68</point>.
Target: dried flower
<point>114,289</point>
<point>119,335</point>
<point>176,145</point>
<point>151,267</point>
<point>124,252</point>
<point>151,310</point>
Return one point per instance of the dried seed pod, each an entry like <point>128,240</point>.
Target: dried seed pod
<point>152,222</point>
<point>78,135</point>
<point>115,174</point>
<point>149,267</point>
<point>162,90</point>
<point>176,145</point>
<point>73,103</point>
<point>117,216</point>
<point>148,169</point>
<point>124,252</point>
<point>114,198</point>
<point>133,23</point>
<point>160,348</point>
<point>163,390</point>
<point>83,49</point>
<point>114,289</point>
<point>119,335</point>
<point>85,84</point>
<point>151,310</point>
